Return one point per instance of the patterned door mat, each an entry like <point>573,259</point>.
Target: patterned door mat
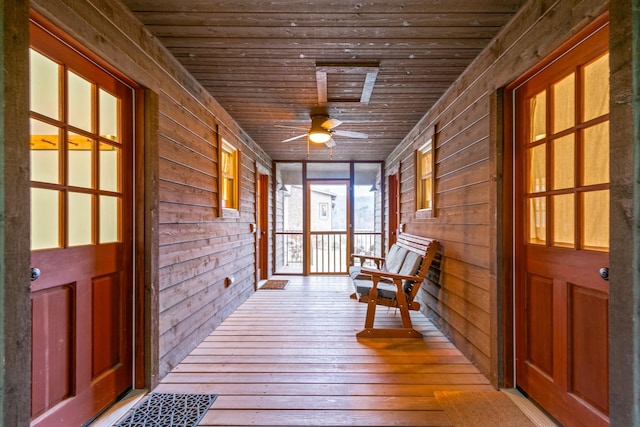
<point>169,410</point>
<point>275,284</point>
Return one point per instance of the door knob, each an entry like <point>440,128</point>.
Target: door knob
<point>604,273</point>
<point>35,273</point>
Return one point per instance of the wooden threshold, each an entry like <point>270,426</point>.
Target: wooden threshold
<point>291,358</point>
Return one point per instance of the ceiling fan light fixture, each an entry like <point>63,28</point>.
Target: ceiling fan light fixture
<point>319,136</point>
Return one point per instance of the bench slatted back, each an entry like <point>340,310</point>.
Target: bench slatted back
<point>423,246</point>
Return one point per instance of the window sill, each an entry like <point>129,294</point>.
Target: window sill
<point>425,214</point>
<point>229,213</point>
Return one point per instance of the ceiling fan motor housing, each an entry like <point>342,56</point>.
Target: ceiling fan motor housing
<point>318,133</point>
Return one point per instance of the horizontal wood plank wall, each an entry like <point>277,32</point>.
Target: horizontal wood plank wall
<point>467,180</point>
<point>197,249</point>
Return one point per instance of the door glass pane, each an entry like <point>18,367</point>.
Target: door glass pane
<point>536,165</point>
<point>327,211</point>
<point>289,197</point>
<point>45,218</point>
<point>538,119</point>
<point>80,161</point>
<point>563,162</point>
<point>79,99</point>
<point>595,154</point>
<point>595,220</point>
<point>328,170</point>
<point>109,214</point>
<point>45,152</point>
<point>80,219</point>
<point>537,220</point>
<point>44,85</point>
<point>108,116</point>
<point>109,167</point>
<point>564,103</point>
<point>596,88</point>
<point>564,220</point>
<point>367,209</point>
<point>328,207</point>
<point>288,251</point>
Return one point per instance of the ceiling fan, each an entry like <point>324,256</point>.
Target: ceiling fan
<point>323,129</point>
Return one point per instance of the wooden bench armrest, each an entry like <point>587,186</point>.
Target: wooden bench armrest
<point>376,259</point>
<point>393,276</point>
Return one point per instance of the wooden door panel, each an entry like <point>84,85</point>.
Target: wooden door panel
<point>393,208</point>
<point>539,323</point>
<point>100,260</point>
<point>106,295</point>
<point>81,333</point>
<point>588,358</point>
<point>567,265</point>
<point>52,340</point>
<point>556,400</point>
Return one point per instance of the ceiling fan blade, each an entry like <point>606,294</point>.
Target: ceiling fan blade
<point>295,137</point>
<point>330,143</point>
<point>331,123</point>
<point>350,134</point>
<point>303,128</point>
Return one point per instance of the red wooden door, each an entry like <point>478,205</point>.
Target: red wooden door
<point>81,213</point>
<point>394,209</point>
<point>262,215</point>
<point>562,214</point>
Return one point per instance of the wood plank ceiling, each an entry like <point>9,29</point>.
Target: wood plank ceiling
<point>376,66</point>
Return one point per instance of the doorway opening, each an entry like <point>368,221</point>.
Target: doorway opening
<point>324,212</point>
<point>86,347</point>
<point>560,146</point>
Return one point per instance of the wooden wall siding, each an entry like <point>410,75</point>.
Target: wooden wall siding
<point>466,178</point>
<point>624,321</point>
<point>197,250</point>
<point>15,259</point>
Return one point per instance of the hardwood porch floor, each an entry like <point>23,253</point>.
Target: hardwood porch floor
<point>290,358</point>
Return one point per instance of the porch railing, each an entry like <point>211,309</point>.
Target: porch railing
<point>329,252</point>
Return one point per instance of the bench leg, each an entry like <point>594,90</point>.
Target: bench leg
<point>406,331</point>
<point>404,308</point>
<point>371,306</point>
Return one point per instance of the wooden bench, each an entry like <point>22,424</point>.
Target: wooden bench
<point>394,283</point>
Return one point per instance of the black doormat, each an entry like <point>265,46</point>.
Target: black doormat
<point>169,410</point>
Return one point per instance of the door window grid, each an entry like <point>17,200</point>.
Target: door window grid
<point>574,153</point>
<point>78,166</point>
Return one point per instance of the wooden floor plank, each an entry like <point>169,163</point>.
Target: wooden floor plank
<point>327,368</point>
<point>322,378</point>
<point>258,359</point>
<point>393,403</point>
<point>333,418</point>
<point>326,389</point>
<point>291,358</point>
